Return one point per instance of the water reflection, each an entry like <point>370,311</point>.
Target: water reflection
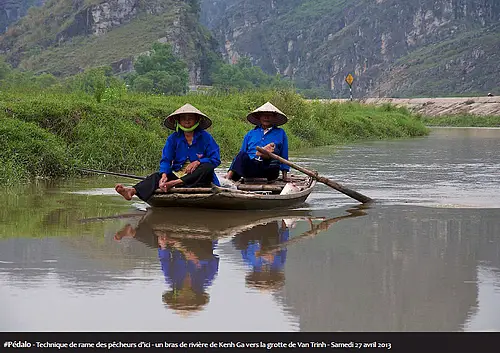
<point>401,268</point>
<point>264,247</point>
<point>189,269</point>
<point>398,269</point>
<point>186,249</point>
<point>187,261</point>
<point>267,267</point>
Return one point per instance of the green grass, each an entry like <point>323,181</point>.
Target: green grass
<point>462,121</point>
<point>48,134</point>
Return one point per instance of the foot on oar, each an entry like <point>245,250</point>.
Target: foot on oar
<point>269,148</point>
<point>127,193</point>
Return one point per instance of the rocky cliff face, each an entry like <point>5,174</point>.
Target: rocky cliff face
<point>392,47</point>
<point>12,10</point>
<point>64,37</point>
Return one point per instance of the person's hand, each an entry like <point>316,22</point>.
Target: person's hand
<point>192,257</point>
<point>192,167</point>
<point>323,226</point>
<point>269,148</point>
<point>163,181</point>
<point>229,175</point>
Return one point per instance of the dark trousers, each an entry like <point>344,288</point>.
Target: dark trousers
<point>201,177</point>
<point>244,166</point>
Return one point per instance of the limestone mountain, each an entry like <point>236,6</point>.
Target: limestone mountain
<point>392,47</point>
<point>64,37</point>
<point>13,10</point>
<point>397,48</point>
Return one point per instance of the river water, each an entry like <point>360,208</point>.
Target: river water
<point>424,257</point>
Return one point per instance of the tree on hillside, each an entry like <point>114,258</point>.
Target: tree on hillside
<point>160,72</point>
<point>96,81</point>
<point>11,78</point>
<point>243,76</point>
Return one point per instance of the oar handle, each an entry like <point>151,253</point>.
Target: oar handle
<point>351,193</point>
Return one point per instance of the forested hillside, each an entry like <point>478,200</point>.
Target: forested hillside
<point>397,48</point>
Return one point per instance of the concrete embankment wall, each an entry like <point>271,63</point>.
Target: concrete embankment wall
<point>485,106</point>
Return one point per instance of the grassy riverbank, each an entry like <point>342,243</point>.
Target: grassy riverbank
<point>462,121</point>
<point>48,134</point>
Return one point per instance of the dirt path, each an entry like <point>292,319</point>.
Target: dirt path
<point>485,106</point>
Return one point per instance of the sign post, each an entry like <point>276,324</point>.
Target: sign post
<point>349,79</point>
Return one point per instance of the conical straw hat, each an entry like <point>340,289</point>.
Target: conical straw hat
<point>187,108</point>
<point>280,117</point>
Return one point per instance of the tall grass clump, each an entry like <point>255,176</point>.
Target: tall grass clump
<point>28,151</point>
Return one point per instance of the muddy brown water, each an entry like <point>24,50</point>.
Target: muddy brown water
<point>424,257</point>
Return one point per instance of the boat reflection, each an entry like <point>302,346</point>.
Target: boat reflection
<point>264,247</point>
<point>187,244</point>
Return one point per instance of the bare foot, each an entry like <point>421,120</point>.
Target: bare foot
<point>269,148</point>
<point>127,231</point>
<point>127,193</point>
<point>170,184</point>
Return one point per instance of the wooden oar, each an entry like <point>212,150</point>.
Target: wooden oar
<point>351,193</point>
<point>112,173</point>
<point>315,230</point>
<point>128,215</point>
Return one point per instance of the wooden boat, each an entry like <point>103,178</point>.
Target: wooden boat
<point>251,194</point>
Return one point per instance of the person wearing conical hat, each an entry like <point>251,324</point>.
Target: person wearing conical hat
<point>190,267</point>
<point>189,157</point>
<point>267,267</point>
<point>250,163</point>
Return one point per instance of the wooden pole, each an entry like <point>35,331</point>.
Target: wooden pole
<point>351,193</point>
<point>112,173</point>
<point>128,215</point>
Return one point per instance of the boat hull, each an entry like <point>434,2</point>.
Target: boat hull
<point>228,199</point>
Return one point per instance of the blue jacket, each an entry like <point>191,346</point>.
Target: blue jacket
<point>256,137</point>
<point>257,263</point>
<point>176,151</point>
<point>175,268</point>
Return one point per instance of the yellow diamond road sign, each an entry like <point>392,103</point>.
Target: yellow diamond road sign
<point>349,79</point>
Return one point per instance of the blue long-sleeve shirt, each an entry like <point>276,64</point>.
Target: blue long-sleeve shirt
<point>257,262</point>
<point>176,151</point>
<point>175,268</point>
<point>256,137</point>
